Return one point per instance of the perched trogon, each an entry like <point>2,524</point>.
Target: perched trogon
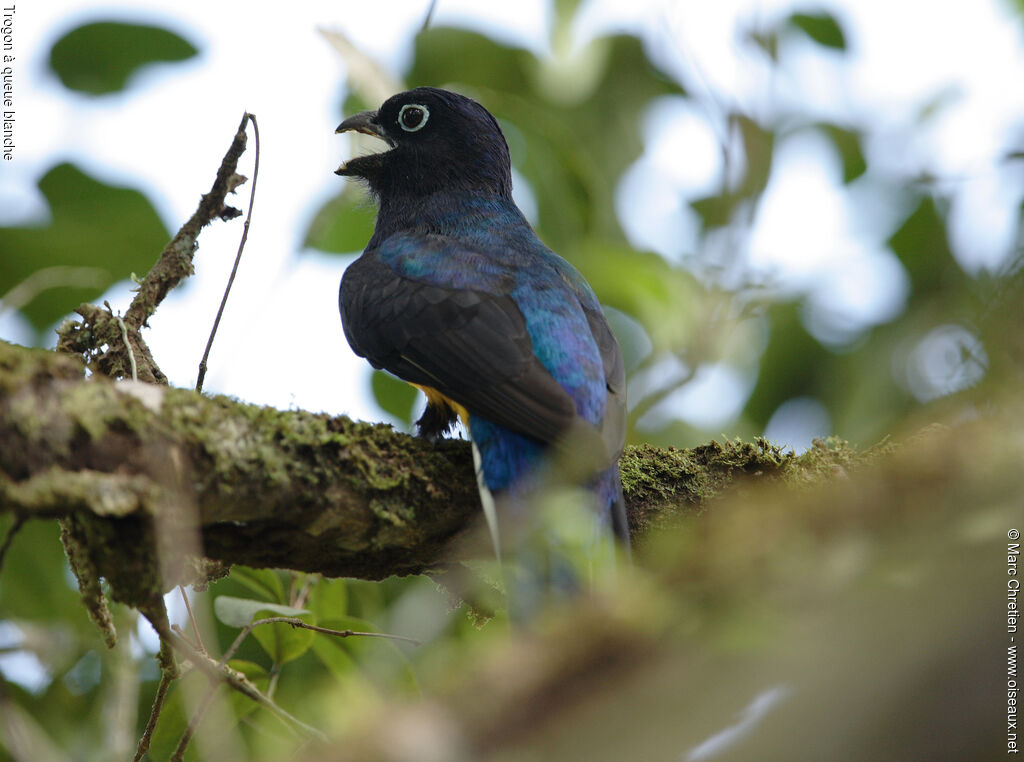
<point>456,294</point>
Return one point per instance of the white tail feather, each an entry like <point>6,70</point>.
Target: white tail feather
<point>487,500</point>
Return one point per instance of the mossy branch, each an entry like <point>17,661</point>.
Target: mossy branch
<point>142,470</point>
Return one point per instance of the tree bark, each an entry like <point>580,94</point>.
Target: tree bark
<point>155,483</point>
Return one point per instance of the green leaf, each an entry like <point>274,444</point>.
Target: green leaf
<point>758,149</point>
<point>265,582</point>
<point>715,211</point>
<point>820,27</point>
<point>94,224</point>
<point>344,224</point>
<point>767,40</point>
<point>100,57</point>
<point>337,660</point>
<point>665,299</point>
<point>395,397</point>
<point>376,658</point>
<point>283,642</point>
<point>243,706</point>
<point>572,148</point>
<point>847,143</point>
<point>442,52</point>
<point>280,640</point>
<point>329,598</point>
<point>33,585</point>
<point>794,364</point>
<point>238,612</point>
<point>256,673</point>
<point>922,245</point>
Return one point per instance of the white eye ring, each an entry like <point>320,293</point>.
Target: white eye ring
<point>417,127</point>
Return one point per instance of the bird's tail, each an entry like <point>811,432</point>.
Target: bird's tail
<point>487,501</point>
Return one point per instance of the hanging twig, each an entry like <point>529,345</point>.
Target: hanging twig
<point>166,678</point>
<point>19,522</point>
<point>192,619</point>
<point>193,724</point>
<point>98,328</point>
<point>175,262</point>
<point>238,256</point>
<point>127,344</point>
<point>429,17</point>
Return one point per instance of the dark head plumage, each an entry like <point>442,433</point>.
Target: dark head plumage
<point>439,141</point>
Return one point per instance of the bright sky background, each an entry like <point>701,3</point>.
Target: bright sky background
<point>280,342</point>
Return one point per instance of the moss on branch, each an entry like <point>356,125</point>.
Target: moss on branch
<point>149,478</point>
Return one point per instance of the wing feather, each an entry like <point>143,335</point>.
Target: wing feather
<point>471,345</point>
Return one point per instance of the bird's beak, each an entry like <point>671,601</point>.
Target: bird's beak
<point>366,123</point>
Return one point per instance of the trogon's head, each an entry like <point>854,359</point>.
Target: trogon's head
<point>438,141</point>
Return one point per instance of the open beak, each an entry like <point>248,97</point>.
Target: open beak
<point>366,123</point>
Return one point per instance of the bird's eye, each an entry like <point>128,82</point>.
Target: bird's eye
<point>413,117</point>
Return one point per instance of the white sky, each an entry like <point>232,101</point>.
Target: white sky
<point>280,342</point>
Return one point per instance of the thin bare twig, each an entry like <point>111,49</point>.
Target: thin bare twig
<point>176,629</point>
<point>98,328</point>
<point>298,600</point>
<point>238,256</point>
<point>192,618</point>
<point>166,678</point>
<point>294,622</point>
<point>175,262</point>
<point>429,17</point>
<point>127,344</point>
<point>239,682</point>
<point>19,522</point>
<point>193,724</point>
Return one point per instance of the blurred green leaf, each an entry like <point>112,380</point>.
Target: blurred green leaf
<point>264,582</point>
<point>380,659</point>
<point>922,245</point>
<point>577,146</point>
<point>328,598</point>
<point>242,706</point>
<point>344,224</point>
<point>823,28</point>
<point>716,210</point>
<point>238,612</point>
<point>794,364</point>
<point>334,657</point>
<point>665,299</point>
<point>394,396</point>
<point>99,58</point>
<point>94,224</point>
<point>34,584</point>
<point>282,642</point>
<point>758,149</point>
<point>441,54</point>
<point>847,143</point>
<point>767,40</point>
<point>258,676</point>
